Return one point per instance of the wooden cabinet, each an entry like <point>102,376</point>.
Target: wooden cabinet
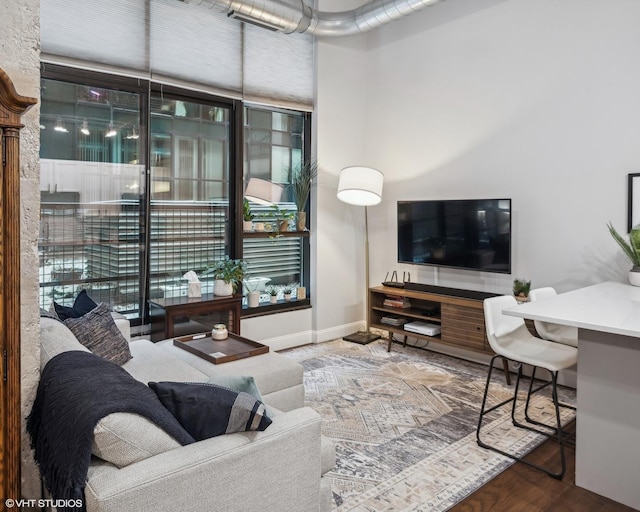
<point>460,316</point>
<point>179,316</point>
<point>12,106</point>
<point>459,313</point>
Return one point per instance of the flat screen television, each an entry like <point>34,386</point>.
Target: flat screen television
<point>473,234</point>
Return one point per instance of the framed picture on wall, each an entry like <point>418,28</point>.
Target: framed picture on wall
<point>633,201</point>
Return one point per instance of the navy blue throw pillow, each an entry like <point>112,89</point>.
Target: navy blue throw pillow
<point>208,410</point>
<point>81,306</point>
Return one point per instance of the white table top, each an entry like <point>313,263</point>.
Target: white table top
<point>607,307</point>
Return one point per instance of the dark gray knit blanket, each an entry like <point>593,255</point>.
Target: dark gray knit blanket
<point>76,390</point>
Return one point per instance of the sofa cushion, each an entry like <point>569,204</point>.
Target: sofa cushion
<point>55,338</point>
<point>272,371</point>
<point>124,438</point>
<point>207,410</point>
<point>97,331</point>
<point>152,363</point>
<point>81,306</point>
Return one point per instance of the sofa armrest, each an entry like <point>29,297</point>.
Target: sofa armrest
<point>278,469</point>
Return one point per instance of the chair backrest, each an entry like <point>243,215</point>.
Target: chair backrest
<point>548,331</point>
<point>497,324</point>
<point>542,328</point>
<point>541,293</point>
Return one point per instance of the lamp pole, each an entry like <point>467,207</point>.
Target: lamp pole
<point>362,186</point>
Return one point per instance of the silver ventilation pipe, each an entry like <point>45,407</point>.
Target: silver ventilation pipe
<point>291,16</point>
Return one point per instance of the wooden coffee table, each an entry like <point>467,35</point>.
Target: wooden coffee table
<point>232,348</point>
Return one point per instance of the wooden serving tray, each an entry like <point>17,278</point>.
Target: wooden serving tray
<point>220,351</point>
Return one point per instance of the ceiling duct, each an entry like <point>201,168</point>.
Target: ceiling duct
<point>291,16</point>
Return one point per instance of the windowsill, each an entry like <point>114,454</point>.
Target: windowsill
<point>274,234</point>
<point>281,306</point>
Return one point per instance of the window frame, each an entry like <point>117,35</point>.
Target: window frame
<point>145,88</point>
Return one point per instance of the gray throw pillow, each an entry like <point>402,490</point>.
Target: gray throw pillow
<point>207,410</point>
<point>99,333</point>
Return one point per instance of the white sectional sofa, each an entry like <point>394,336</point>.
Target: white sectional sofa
<point>278,469</point>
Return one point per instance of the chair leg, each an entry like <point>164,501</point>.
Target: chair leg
<point>528,418</point>
<point>558,430</point>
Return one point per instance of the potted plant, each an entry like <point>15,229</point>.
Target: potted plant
<point>282,218</point>
<point>631,249</point>
<point>301,179</point>
<point>273,294</point>
<point>247,215</point>
<point>287,294</point>
<point>253,295</point>
<point>227,275</point>
<point>521,289</point>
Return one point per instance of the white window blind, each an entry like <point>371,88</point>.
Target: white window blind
<point>111,33</point>
<point>278,67</point>
<point>185,44</point>
<point>195,44</point>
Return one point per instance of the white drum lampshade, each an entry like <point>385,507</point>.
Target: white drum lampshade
<point>361,186</point>
<point>263,191</point>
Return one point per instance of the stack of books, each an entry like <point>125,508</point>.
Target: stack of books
<point>393,301</point>
<point>395,321</point>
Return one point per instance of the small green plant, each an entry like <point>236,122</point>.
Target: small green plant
<point>282,218</point>
<point>287,291</point>
<point>521,288</point>
<point>272,291</point>
<point>247,214</point>
<point>630,248</point>
<point>230,271</point>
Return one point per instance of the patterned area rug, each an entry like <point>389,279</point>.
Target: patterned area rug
<point>404,424</point>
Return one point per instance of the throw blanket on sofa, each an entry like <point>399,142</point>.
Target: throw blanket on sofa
<point>76,390</point>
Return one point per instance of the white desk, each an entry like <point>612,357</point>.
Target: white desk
<point>608,387</point>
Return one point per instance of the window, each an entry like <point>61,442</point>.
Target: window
<point>139,183</point>
<point>274,145</point>
<point>189,209</point>
<point>91,181</point>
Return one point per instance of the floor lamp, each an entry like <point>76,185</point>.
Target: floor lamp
<point>362,186</point>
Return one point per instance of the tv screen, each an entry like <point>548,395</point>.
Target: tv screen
<point>464,233</point>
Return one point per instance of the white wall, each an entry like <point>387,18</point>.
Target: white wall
<point>536,101</point>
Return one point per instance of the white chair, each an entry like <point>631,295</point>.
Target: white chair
<point>553,332</point>
<point>510,340</point>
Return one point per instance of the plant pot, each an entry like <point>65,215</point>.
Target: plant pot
<point>634,276</point>
<point>287,297</point>
<point>273,299</point>
<point>222,288</point>
<point>283,225</point>
<point>301,221</point>
<point>247,225</point>
<point>253,299</point>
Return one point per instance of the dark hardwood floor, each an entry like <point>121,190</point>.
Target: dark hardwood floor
<point>523,489</point>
